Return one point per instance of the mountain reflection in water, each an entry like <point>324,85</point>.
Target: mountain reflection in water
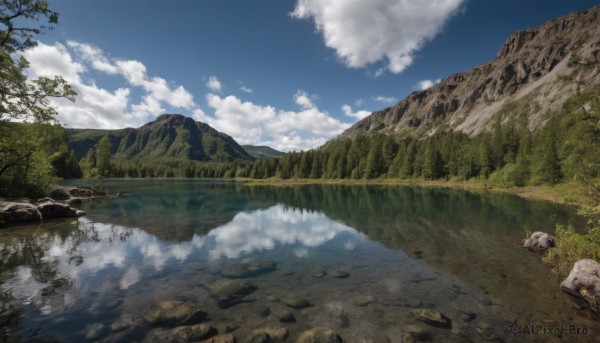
<point>401,248</point>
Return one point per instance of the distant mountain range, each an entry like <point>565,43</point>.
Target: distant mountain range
<point>534,73</point>
<point>262,151</point>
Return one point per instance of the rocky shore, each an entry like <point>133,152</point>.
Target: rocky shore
<point>61,203</point>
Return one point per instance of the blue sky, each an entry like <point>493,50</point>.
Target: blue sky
<point>287,73</point>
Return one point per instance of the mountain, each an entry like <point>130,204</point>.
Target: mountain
<point>262,151</point>
<point>535,72</point>
<point>170,136</point>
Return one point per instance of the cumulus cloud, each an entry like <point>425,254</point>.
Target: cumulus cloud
<point>424,84</point>
<point>367,32</point>
<point>143,97</point>
<point>214,84</point>
<point>250,123</point>
<point>96,107</point>
<point>384,99</point>
<point>347,110</point>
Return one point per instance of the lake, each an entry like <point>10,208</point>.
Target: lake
<point>366,262</point>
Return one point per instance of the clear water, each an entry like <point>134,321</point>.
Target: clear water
<point>401,248</point>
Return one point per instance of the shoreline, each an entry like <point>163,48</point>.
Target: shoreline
<point>561,194</point>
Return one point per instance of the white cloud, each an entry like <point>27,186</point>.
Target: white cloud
<point>96,107</point>
<point>302,99</point>
<point>249,123</point>
<point>358,114</point>
<point>214,84</point>
<point>384,99</point>
<point>370,31</point>
<point>246,89</point>
<point>359,102</point>
<point>424,84</point>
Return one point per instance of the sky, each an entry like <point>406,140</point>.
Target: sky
<point>290,74</point>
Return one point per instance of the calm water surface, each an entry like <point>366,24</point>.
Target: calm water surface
<point>363,258</point>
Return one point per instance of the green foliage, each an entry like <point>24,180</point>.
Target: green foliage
<point>572,247</point>
<point>29,154</point>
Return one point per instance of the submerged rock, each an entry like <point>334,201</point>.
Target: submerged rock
<point>539,241</point>
<point>227,338</point>
<point>248,268</point>
<point>174,313</point>
<point>231,292</point>
<point>56,210</point>
<point>319,273</point>
<point>340,274</point>
<point>181,334</point>
<point>363,300</point>
<point>432,317</point>
<point>319,335</point>
<point>269,335</point>
<point>60,194</point>
<point>584,282</point>
<point>413,333</point>
<point>296,302</point>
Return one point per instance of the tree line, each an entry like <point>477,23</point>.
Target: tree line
<point>507,155</point>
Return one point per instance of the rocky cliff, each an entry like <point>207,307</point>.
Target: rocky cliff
<point>534,72</point>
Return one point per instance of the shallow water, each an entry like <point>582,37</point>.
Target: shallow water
<point>364,258</point>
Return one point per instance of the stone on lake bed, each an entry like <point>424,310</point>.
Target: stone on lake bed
<point>340,274</point>
<point>226,338</point>
<point>231,292</point>
<point>296,302</point>
<point>181,334</point>
<point>319,273</point>
<point>432,317</point>
<point>363,300</point>
<point>174,313</point>
<point>269,335</point>
<point>413,333</point>
<point>319,335</point>
<point>249,267</point>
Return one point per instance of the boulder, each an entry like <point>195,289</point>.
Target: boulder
<point>319,335</point>
<point>231,292</point>
<point>174,313</point>
<point>51,210</point>
<point>432,317</point>
<point>340,274</point>
<point>18,212</point>
<point>60,194</point>
<point>81,192</point>
<point>539,241</point>
<point>584,282</point>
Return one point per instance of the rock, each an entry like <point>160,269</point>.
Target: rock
<point>81,192</point>
<point>432,317</point>
<point>51,210</point>
<point>75,202</point>
<point>539,241</point>
<point>227,338</point>
<point>17,212</point>
<point>319,335</point>
<point>231,292</point>
<point>264,311</point>
<point>60,194</point>
<point>269,335</point>
<point>340,274</point>
<point>273,299</point>
<point>126,321</point>
<point>286,317</point>
<point>296,302</point>
<point>319,273</point>
<point>181,334</point>
<point>413,333</point>
<point>248,268</point>
<point>363,300</point>
<point>174,313</point>
<point>80,213</point>
<point>486,331</point>
<point>584,282</point>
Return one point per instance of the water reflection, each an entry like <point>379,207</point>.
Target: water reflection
<point>172,239</point>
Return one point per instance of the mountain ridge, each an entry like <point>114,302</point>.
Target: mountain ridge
<point>169,136</point>
<point>541,66</point>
